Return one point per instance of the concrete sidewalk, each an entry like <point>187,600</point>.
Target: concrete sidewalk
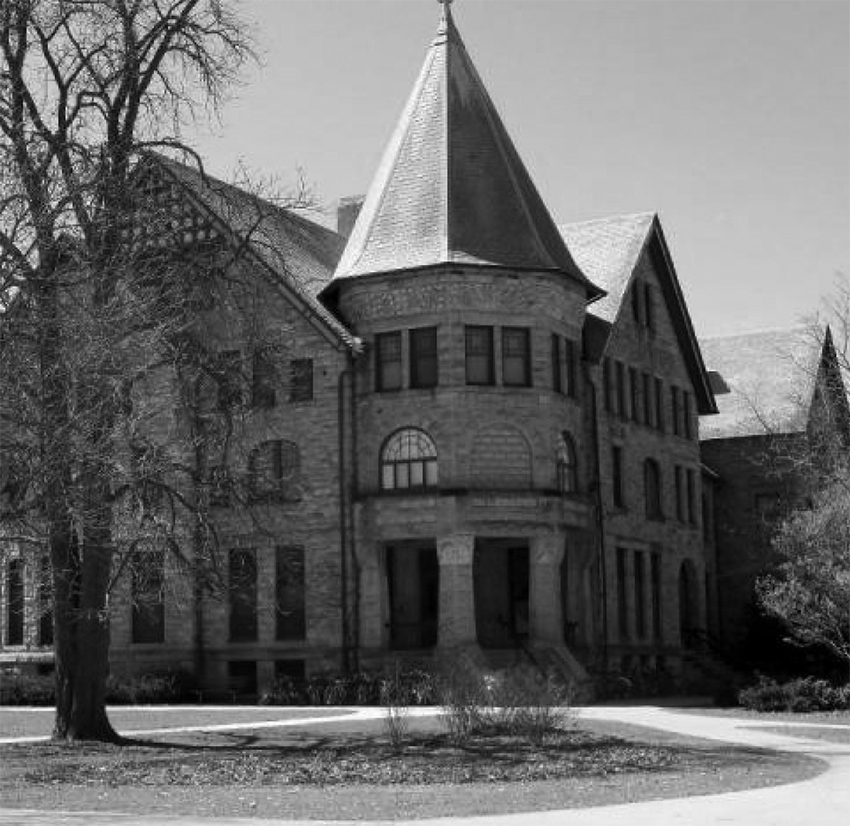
<point>821,801</point>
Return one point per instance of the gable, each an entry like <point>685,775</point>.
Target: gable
<point>296,253</point>
<point>611,251</point>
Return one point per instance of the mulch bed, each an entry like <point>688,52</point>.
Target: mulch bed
<point>339,770</point>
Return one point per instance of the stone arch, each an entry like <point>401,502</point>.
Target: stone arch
<point>501,458</point>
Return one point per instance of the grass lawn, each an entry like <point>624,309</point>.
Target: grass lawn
<point>16,721</point>
<point>833,718</point>
<point>349,770</point>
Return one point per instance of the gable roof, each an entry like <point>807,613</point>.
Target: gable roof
<point>608,250</point>
<point>300,253</point>
<point>771,376</point>
<point>451,188</point>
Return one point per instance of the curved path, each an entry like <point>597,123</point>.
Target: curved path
<point>821,801</point>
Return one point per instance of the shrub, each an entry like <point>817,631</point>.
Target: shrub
<point>22,689</point>
<point>802,695</point>
<point>395,697</point>
<point>149,689</point>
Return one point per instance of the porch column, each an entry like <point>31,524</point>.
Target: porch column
<point>372,599</point>
<point>546,615</point>
<point>457,592</point>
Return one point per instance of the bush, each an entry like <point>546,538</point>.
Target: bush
<point>362,688</point>
<point>802,695</point>
<point>22,689</point>
<point>149,689</point>
<point>520,701</point>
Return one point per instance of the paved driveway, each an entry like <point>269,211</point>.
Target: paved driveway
<point>821,801</point>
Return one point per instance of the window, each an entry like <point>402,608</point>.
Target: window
<point>290,617</point>
<point>637,302</point>
<point>388,361</point>
<point>606,386</point>
<point>408,460</point>
<point>262,381</point>
<point>621,390</point>
<point>655,585</point>
<point>147,582</point>
<point>692,497</point>
<point>634,392</point>
<point>622,599</point>
<point>640,595</point>
<point>45,593</point>
<point>572,368</point>
<point>273,471</point>
<point>242,595</point>
<point>220,484</point>
<point>680,508</point>
<point>676,410</point>
<point>15,603</point>
<point>479,355</point>
<point>647,399</point>
<point>652,489</point>
<point>659,404</point>
<point>617,475</point>
<point>301,380</point>
<point>648,307</point>
<point>687,421</point>
<point>557,370</point>
<point>567,465</point>
<point>423,357</point>
<point>229,369</point>
<point>516,357</point>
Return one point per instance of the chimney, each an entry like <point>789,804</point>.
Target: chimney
<point>347,212</point>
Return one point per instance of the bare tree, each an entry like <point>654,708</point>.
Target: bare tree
<point>85,87</point>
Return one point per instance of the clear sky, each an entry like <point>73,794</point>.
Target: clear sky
<point>730,119</point>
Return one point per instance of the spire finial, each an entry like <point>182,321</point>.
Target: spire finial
<point>447,10</point>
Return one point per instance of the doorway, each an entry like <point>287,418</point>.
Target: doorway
<point>501,577</point>
<point>413,579</point>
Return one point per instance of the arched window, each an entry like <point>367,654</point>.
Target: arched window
<point>567,464</point>
<point>274,470</point>
<point>408,460</point>
<point>652,489</point>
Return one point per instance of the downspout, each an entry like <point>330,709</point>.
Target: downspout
<point>600,520</point>
<point>350,614</point>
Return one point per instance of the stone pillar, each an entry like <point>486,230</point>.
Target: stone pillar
<point>373,609</point>
<point>546,613</point>
<point>457,591</point>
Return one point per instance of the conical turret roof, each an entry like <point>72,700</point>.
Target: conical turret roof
<point>451,187</point>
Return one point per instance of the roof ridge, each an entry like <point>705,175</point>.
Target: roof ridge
<point>608,218</point>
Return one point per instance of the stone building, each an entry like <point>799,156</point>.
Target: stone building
<point>773,389</point>
<point>453,425</point>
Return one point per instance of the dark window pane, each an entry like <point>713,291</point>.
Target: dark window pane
<point>274,469</point>
<point>692,495</point>
<point>289,594</point>
<point>423,357</point>
<point>229,370</point>
<point>659,404</point>
<point>147,595</point>
<point>649,308</point>
<point>622,598</point>
<point>607,380</point>
<point>479,355</point>
<point>15,603</point>
<point>557,371</point>
<point>675,410</point>
<point>301,380</point>
<point>647,399</point>
<point>640,595</point>
<point>242,593</point>
<point>634,392</point>
<point>263,382</point>
<point>656,596</point>
<point>516,357</point>
<point>617,475</point>
<point>572,368</point>
<point>388,361</point>
<point>652,489</point>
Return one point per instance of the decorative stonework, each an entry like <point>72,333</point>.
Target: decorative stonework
<point>456,550</point>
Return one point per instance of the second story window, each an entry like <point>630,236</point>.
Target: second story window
<point>229,379</point>
<point>301,380</point>
<point>557,369</point>
<point>652,489</point>
<point>567,465</point>
<point>273,472</point>
<point>479,355</point>
<point>617,476</point>
<point>388,361</point>
<point>262,381</point>
<point>408,460</point>
<point>423,357</point>
<point>516,357</point>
